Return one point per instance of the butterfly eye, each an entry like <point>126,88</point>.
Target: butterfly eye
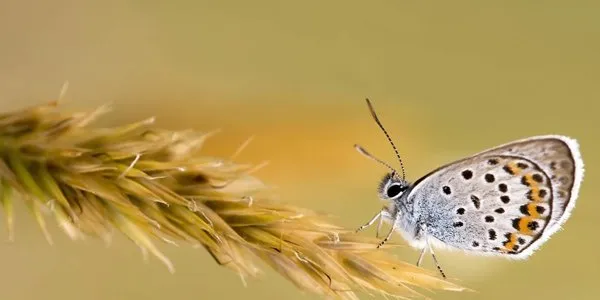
<point>394,190</point>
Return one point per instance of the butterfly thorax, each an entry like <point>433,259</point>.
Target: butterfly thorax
<point>409,218</point>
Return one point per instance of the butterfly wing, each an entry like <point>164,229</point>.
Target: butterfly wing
<point>505,200</point>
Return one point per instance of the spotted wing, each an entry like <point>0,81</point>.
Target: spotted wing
<point>506,200</point>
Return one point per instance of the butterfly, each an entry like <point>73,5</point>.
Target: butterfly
<point>505,201</point>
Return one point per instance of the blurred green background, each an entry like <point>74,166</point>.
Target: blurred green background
<point>449,79</point>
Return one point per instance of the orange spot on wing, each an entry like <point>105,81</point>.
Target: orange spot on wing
<point>512,166</point>
<point>512,241</point>
<point>534,188</point>
<point>523,229</point>
<point>532,210</point>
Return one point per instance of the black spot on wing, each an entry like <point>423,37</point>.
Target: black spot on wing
<point>540,209</point>
<point>515,223</point>
<point>524,209</point>
<point>537,178</point>
<point>522,165</point>
<point>476,201</point>
<point>503,188</point>
<point>467,174</point>
<point>446,190</point>
<point>533,225</point>
<point>529,195</point>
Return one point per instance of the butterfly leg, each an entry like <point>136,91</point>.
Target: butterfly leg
<point>423,228</point>
<point>389,235</point>
<point>437,264</point>
<point>377,216</point>
<point>420,260</point>
<point>384,214</point>
<point>379,227</point>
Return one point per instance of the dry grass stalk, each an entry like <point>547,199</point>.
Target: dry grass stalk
<point>153,185</point>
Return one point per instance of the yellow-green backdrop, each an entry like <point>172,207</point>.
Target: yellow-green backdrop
<point>449,78</point>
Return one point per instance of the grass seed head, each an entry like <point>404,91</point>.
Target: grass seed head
<point>154,185</point>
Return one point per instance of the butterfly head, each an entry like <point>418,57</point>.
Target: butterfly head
<point>392,187</point>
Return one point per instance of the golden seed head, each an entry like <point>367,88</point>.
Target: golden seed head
<point>154,185</point>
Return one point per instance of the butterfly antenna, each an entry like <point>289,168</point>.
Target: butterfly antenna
<point>368,155</point>
<point>387,135</point>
